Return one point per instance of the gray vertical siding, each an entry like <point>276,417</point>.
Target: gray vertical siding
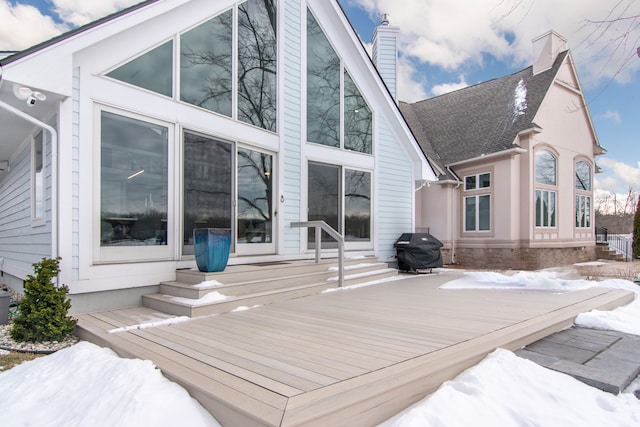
<point>292,126</point>
<point>395,191</point>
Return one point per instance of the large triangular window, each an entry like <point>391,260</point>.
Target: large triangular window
<point>337,113</point>
<point>152,70</point>
<point>206,64</point>
<point>208,77</point>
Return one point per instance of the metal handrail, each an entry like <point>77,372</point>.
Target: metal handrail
<point>319,226</point>
<point>620,243</point>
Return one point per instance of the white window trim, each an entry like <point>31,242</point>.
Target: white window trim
<point>38,193</point>
<point>477,216</point>
<point>123,254</point>
<point>588,211</point>
<point>477,176</point>
<point>547,190</point>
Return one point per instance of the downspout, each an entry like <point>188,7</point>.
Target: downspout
<point>54,169</point>
<point>454,223</point>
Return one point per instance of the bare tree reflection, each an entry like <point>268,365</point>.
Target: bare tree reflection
<point>206,78</point>
<point>323,87</point>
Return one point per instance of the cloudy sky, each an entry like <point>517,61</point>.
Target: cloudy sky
<point>449,44</point>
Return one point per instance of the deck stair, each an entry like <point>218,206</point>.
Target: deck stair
<point>603,251</point>
<point>196,293</point>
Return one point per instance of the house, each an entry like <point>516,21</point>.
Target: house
<point>122,136</point>
<point>515,158</point>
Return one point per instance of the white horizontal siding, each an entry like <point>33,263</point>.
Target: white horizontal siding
<point>387,62</point>
<point>292,122</point>
<point>75,184</point>
<point>395,191</point>
<point>21,244</point>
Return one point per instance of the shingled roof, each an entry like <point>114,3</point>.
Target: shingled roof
<point>480,119</point>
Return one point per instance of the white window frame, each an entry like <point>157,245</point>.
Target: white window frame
<point>555,210</point>
<point>477,182</point>
<point>38,180</point>
<point>132,254</point>
<point>477,213</point>
<point>583,200</point>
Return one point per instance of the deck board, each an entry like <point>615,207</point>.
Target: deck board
<point>352,357</point>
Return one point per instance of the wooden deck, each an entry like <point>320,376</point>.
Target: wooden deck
<point>352,357</point>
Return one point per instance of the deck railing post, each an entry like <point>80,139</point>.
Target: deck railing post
<point>318,243</point>
<point>319,226</point>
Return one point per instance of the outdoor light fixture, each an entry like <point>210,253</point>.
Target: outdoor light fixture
<point>26,94</point>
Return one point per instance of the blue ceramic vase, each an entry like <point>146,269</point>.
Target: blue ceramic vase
<point>211,247</point>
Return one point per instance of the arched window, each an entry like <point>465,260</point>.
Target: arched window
<point>583,194</point>
<point>545,168</point>
<point>583,176</point>
<point>546,193</point>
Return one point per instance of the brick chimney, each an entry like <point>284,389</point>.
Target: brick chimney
<point>385,53</point>
<point>546,49</point>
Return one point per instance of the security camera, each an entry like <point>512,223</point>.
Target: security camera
<point>31,100</point>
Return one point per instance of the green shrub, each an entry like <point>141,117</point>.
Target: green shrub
<point>43,309</point>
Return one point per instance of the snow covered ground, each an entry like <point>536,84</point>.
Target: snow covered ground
<point>88,385</point>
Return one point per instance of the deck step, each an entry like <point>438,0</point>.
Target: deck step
<point>201,294</point>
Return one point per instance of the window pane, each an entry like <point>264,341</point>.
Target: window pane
<point>587,212</point>
<point>538,208</point>
<point>578,213</point>
<point>357,205</point>
<point>545,168</point>
<point>552,209</point>
<point>470,182</point>
<point>38,176</point>
<point>470,214</point>
<point>357,118</point>
<point>205,65</point>
<point>152,70</point>
<point>545,208</point>
<point>484,213</point>
<point>324,199</point>
<point>133,182</point>
<point>257,63</point>
<point>323,87</point>
<point>485,180</point>
<point>583,176</point>
<point>207,184</point>
<point>254,196</point>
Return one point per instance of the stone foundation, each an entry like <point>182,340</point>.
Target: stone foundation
<point>519,258</point>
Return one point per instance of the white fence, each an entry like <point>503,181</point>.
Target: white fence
<point>621,243</point>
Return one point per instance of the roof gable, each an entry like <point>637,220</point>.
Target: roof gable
<point>481,119</point>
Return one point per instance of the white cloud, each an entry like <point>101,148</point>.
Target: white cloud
<point>606,184</point>
<point>627,176</point>
<point>453,33</point>
<point>612,116</point>
<point>411,83</point>
<point>443,88</point>
<point>80,12</point>
<point>23,26</point>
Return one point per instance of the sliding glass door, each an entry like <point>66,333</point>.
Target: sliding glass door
<point>254,206</point>
<point>207,186</point>
<point>340,197</point>
<point>226,186</point>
